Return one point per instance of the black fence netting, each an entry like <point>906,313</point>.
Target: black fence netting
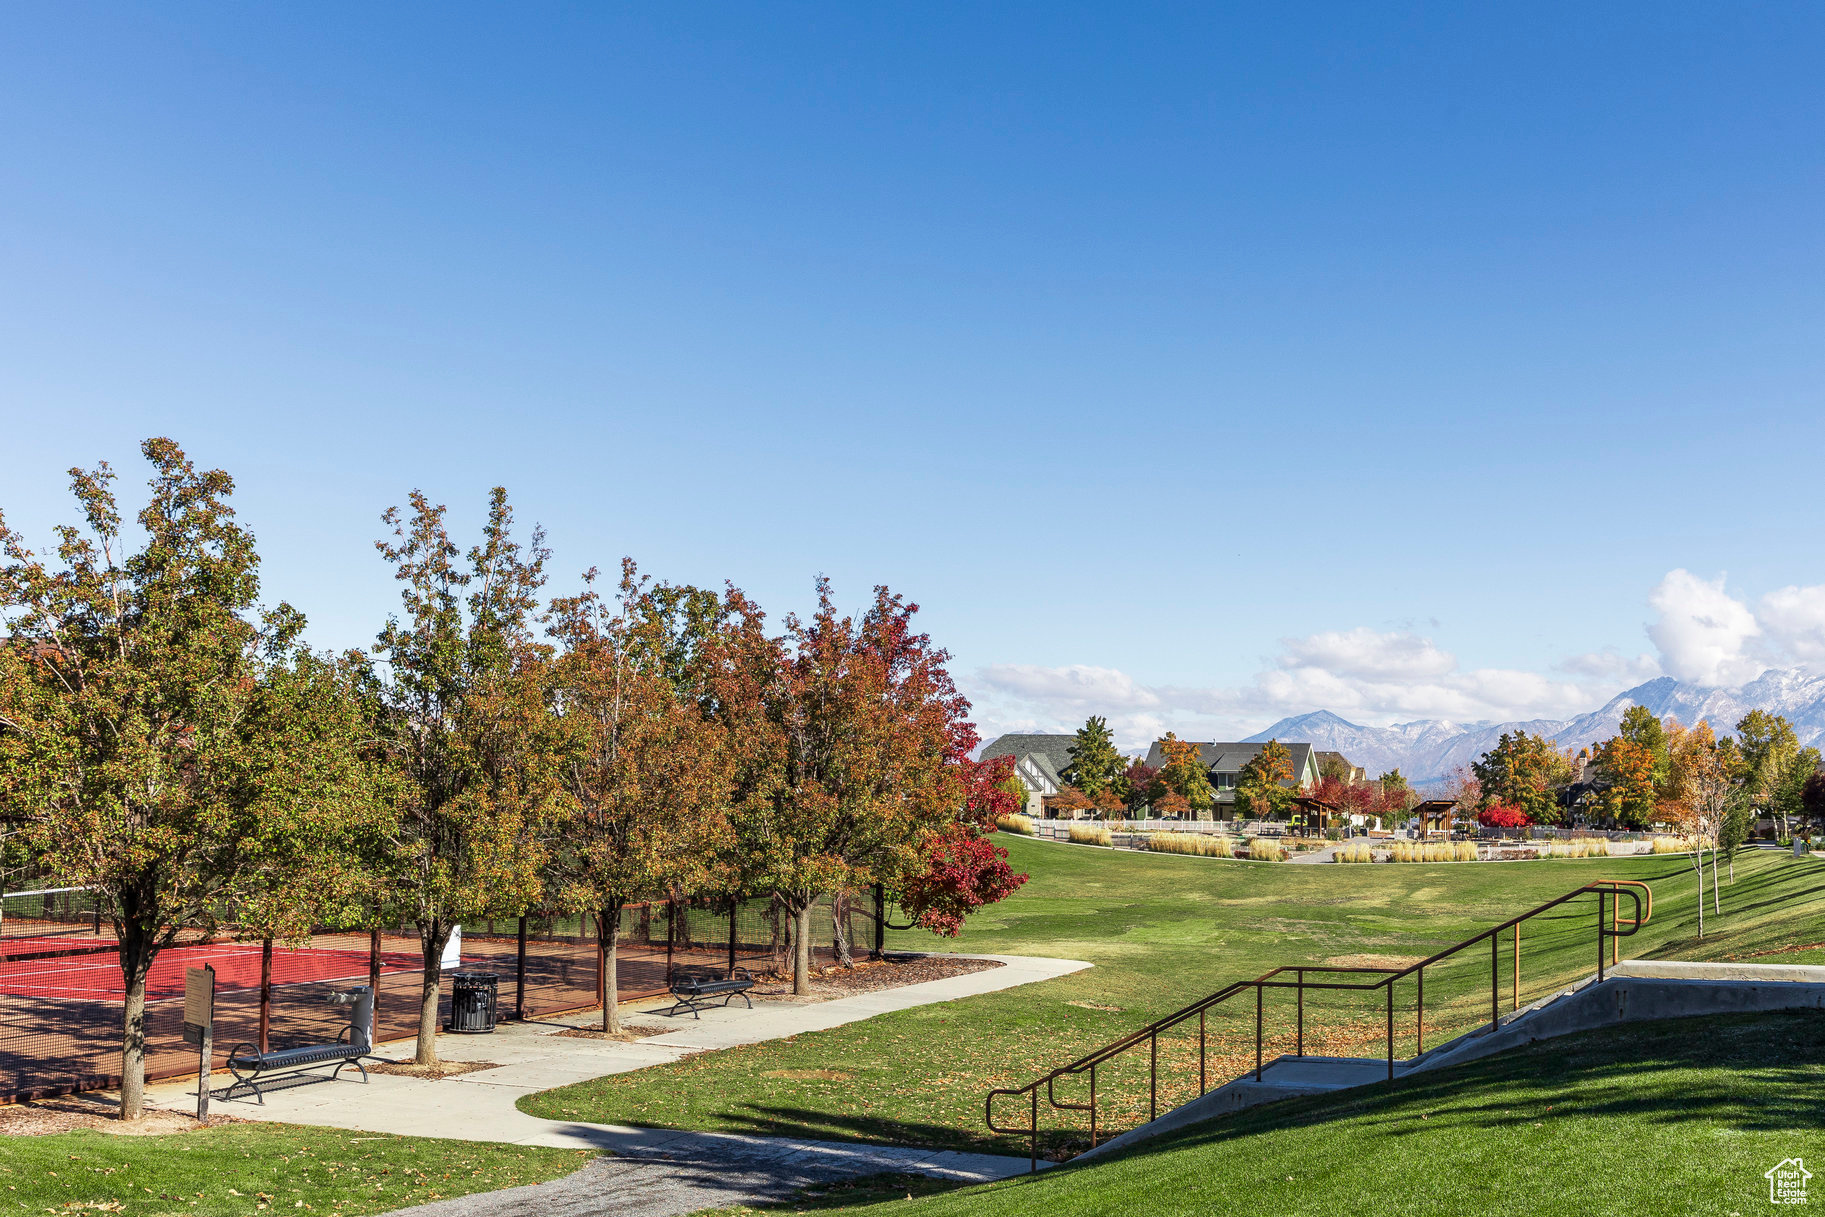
<point>62,997</point>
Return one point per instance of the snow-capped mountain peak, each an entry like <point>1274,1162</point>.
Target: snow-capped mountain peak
<point>1428,750</point>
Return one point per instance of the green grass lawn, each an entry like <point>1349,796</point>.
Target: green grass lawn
<point>1678,1117</point>
<point>233,1170</point>
<point>1163,930</point>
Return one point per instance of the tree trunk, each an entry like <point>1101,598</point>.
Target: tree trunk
<point>135,962</point>
<point>801,950</point>
<point>839,929</point>
<point>1698,860</point>
<point>431,937</point>
<point>133,1052</point>
<point>1716,906</point>
<point>265,994</point>
<point>608,932</point>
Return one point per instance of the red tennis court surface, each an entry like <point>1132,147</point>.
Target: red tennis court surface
<point>96,976</point>
<point>60,1013</point>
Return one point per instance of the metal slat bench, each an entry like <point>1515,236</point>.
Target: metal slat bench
<point>697,988</point>
<point>250,1066</point>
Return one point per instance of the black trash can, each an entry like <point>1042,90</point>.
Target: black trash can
<point>472,997</point>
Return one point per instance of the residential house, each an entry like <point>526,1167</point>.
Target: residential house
<point>1225,762</point>
<point>1038,760</point>
<point>1353,775</point>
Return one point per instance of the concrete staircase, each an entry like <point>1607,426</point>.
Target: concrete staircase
<point>1634,990</point>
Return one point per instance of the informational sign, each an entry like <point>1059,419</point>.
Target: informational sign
<point>199,1029</point>
<point>199,1003</point>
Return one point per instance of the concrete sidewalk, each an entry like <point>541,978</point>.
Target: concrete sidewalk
<point>530,1057</point>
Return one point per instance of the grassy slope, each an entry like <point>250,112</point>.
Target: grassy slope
<point>1664,1118</point>
<point>323,1171</point>
<point>1162,931</point>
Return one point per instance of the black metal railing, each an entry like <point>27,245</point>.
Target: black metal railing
<point>1610,925</point>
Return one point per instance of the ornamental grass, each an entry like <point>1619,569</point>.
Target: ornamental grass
<point>1015,823</point>
<point>1578,847</point>
<point>1266,849</point>
<point>1203,845</point>
<point>1092,835</point>
<point>1433,851</point>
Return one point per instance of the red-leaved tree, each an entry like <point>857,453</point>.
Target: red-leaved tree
<point>964,870</point>
<point>1502,815</point>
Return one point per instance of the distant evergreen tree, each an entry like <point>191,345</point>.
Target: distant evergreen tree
<point>1095,761</point>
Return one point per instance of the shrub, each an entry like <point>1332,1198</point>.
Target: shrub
<point>1092,836</point>
<point>1355,851</point>
<point>1015,823</point>
<point>1266,849</point>
<point>1201,844</point>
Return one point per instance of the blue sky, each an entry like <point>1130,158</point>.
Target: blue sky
<point>1195,364</point>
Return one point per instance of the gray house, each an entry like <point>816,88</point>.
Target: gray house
<point>1225,761</point>
<point>1038,760</point>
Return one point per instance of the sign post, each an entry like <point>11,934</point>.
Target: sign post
<point>199,1029</point>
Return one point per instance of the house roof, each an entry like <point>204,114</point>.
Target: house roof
<point>1323,757</point>
<point>1229,758</point>
<point>1056,749</point>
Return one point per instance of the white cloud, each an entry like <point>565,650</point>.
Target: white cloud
<point>1364,675</point>
<point>1793,619</point>
<point>1704,633</point>
<point>1362,652</point>
<point>1073,685</point>
<point>1611,665</point>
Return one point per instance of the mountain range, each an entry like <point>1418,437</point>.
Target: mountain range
<point>1428,750</point>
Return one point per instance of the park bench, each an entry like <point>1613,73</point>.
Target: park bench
<point>696,988</point>
<point>250,1066</point>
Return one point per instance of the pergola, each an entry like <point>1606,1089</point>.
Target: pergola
<point>1317,813</point>
<point>1434,813</point>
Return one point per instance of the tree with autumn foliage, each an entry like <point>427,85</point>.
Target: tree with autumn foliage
<point>1264,788</point>
<point>1183,772</point>
<point>645,771</point>
<point>851,765</point>
<point>1137,785</point>
<point>1501,815</point>
<point>161,740</point>
<point>1703,779</point>
<point>1525,771</point>
<point>1172,806</point>
<point>964,870</point>
<point>464,716</point>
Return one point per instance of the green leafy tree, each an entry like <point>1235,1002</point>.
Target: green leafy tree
<point>316,811</point>
<point>1183,772</point>
<point>464,718</point>
<point>1095,761</point>
<point>1264,788</point>
<point>161,741</point>
<point>643,767</point>
<point>1769,753</point>
<point>1786,801</point>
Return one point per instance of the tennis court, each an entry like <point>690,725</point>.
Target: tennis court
<point>52,968</point>
<point>62,996</point>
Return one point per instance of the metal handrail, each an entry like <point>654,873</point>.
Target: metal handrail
<point>1608,891</point>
